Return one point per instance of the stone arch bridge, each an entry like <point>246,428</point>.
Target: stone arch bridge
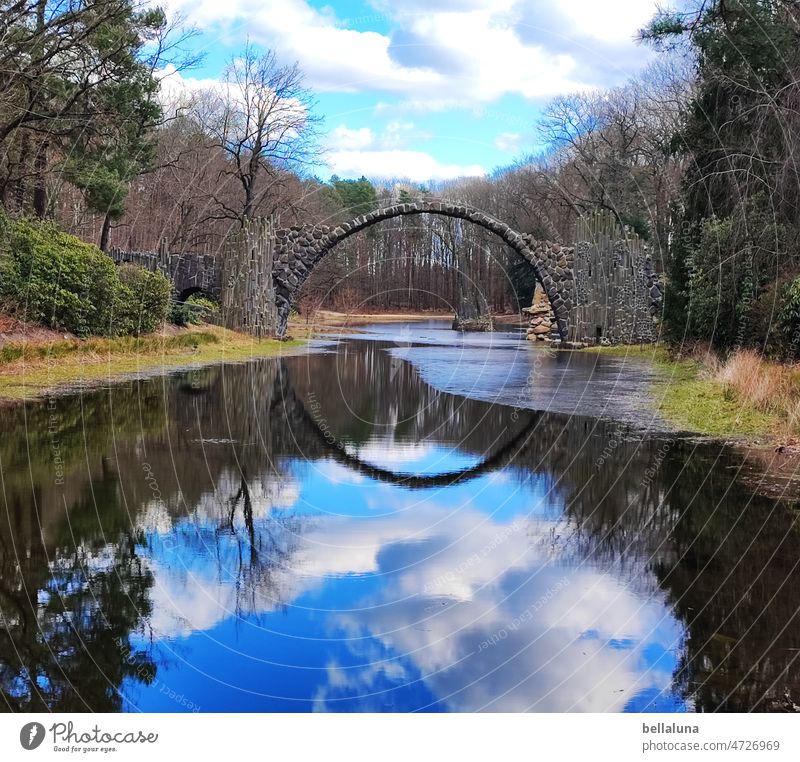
<point>258,275</point>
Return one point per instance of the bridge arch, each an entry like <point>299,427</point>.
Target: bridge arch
<point>298,249</point>
<point>302,420</point>
<point>189,291</point>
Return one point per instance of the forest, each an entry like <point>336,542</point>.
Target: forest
<point>696,154</point>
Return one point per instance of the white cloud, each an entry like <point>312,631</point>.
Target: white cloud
<point>357,152</point>
<point>333,57</point>
<point>396,134</point>
<point>346,139</point>
<point>175,89</point>
<point>484,57</point>
<point>609,22</point>
<point>417,166</point>
<point>508,142</point>
<point>466,52</point>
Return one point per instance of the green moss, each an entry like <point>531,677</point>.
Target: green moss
<point>655,352</point>
<point>705,406</point>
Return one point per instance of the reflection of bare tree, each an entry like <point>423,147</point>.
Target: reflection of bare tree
<point>261,551</point>
<point>731,579</point>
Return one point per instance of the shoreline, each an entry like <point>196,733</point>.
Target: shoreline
<point>324,320</point>
<point>45,363</point>
<point>38,362</point>
<point>687,398</point>
<point>39,368</point>
<point>690,396</point>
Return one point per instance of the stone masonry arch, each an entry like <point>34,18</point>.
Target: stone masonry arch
<point>302,420</point>
<point>298,249</point>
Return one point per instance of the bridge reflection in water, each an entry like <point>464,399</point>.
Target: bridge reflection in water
<point>330,532</point>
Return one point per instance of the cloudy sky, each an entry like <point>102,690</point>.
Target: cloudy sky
<point>429,90</point>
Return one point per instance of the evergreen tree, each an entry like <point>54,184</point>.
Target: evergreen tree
<point>80,94</point>
<point>736,222</point>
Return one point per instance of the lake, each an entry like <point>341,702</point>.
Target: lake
<point>400,519</point>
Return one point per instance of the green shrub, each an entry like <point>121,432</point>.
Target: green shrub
<point>58,280</point>
<point>735,260</point>
<point>143,301</point>
<point>194,311</point>
<point>789,319</point>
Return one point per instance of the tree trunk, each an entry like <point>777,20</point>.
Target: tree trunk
<point>40,181</point>
<point>105,232</point>
<point>20,186</point>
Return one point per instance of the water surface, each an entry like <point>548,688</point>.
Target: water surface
<point>409,519</point>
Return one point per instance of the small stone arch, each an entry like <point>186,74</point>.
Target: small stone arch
<point>298,249</point>
<point>184,294</point>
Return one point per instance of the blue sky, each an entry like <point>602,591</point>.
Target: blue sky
<point>428,90</point>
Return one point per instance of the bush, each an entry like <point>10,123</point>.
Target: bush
<point>734,262</point>
<point>194,311</point>
<point>58,280</point>
<point>789,319</point>
<point>144,300</point>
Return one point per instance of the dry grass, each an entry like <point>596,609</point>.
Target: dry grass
<point>754,383</point>
<point>321,319</point>
<point>767,386</point>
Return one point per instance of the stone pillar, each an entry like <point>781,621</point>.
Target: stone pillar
<point>247,297</point>
<point>541,315</point>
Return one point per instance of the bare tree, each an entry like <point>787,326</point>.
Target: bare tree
<point>262,119</point>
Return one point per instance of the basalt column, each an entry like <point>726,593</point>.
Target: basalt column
<point>247,301</point>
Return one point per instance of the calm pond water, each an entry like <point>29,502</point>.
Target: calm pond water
<point>404,519</point>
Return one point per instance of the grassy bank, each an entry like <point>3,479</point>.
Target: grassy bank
<point>743,396</point>
<point>34,368</point>
<point>36,361</point>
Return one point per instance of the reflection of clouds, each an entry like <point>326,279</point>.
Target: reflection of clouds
<point>187,603</point>
<point>358,683</point>
<point>385,453</point>
<point>486,654</point>
<point>482,638</point>
<point>486,613</point>
<point>335,473</point>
